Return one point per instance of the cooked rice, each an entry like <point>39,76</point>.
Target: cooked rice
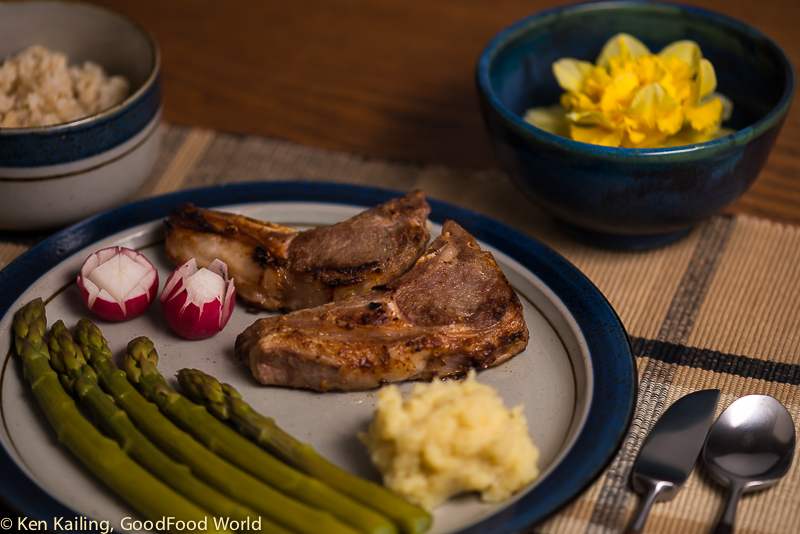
<point>38,88</point>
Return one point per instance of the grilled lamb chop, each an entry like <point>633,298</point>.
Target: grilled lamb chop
<point>281,268</point>
<point>453,310</point>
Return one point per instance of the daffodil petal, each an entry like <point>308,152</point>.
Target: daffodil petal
<point>704,118</point>
<point>643,139</point>
<point>550,119</point>
<point>687,51</point>
<point>618,94</point>
<point>619,43</point>
<point>707,78</point>
<point>596,82</point>
<point>671,122</point>
<point>653,115</point>
<point>651,102</point>
<point>571,73</point>
<point>727,105</point>
<point>596,135</point>
<point>688,136</point>
<point>624,84</point>
<point>636,137</point>
<point>590,118</point>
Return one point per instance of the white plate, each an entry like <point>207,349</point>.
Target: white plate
<point>577,416</point>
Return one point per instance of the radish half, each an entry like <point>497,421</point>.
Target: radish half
<point>118,283</point>
<point>198,302</point>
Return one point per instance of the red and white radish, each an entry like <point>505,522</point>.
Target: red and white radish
<point>118,283</point>
<point>198,302</point>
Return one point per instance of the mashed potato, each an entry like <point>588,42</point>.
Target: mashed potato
<point>450,437</point>
<point>37,88</point>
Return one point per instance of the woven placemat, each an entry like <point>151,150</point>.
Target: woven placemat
<point>718,309</point>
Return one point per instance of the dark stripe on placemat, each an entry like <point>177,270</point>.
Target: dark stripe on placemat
<point>657,376</point>
<point>680,317</point>
<point>716,361</point>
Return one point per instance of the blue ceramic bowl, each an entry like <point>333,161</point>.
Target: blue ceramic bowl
<point>54,175</point>
<point>625,197</point>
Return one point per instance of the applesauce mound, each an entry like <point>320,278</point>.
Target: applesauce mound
<point>450,437</point>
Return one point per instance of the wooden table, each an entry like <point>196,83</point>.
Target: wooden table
<point>386,78</point>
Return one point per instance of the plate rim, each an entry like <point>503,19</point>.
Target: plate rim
<point>614,376</point>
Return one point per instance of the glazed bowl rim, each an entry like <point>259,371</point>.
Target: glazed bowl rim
<point>693,151</point>
<point>107,113</point>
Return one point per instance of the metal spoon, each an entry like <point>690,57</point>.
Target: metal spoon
<point>750,447</point>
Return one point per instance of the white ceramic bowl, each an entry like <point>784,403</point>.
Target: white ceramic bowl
<point>51,176</point>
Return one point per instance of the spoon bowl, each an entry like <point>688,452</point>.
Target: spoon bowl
<point>751,446</point>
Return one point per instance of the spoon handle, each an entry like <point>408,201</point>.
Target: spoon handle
<point>725,523</point>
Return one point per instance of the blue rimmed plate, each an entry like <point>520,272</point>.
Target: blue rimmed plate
<point>576,379</point>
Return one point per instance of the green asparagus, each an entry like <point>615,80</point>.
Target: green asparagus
<point>68,360</point>
<point>101,455</point>
<point>226,403</point>
<point>206,465</point>
<point>140,363</point>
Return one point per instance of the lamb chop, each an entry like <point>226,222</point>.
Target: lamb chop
<point>454,310</point>
<point>281,268</point>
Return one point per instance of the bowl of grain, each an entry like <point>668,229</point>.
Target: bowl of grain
<point>80,111</point>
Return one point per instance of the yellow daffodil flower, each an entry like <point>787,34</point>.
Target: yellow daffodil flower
<point>635,99</point>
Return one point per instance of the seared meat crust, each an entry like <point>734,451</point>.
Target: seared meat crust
<point>280,268</point>
<point>453,310</point>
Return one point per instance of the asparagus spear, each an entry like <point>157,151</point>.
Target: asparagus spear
<point>140,363</point>
<point>101,455</point>
<point>67,359</point>
<point>182,447</point>
<point>226,403</point>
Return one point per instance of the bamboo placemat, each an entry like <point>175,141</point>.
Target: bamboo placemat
<point>718,309</point>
